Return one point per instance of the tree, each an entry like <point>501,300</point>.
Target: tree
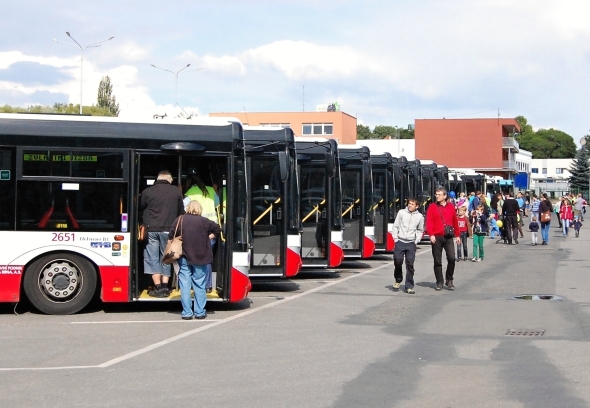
<point>106,99</point>
<point>580,168</point>
<point>363,132</point>
<point>383,132</point>
<point>548,144</point>
<point>525,128</point>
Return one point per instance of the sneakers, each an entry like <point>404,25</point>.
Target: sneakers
<point>479,260</point>
<point>187,317</point>
<point>450,285</point>
<point>159,292</point>
<point>439,286</point>
<point>474,260</point>
<point>209,290</point>
<point>410,291</point>
<point>396,285</point>
<point>458,259</point>
<point>201,317</point>
<point>516,240</point>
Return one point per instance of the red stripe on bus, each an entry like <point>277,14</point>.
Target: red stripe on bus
<point>368,247</point>
<point>10,286</point>
<point>240,286</point>
<point>336,255</point>
<point>294,263</point>
<point>390,245</point>
<point>115,283</point>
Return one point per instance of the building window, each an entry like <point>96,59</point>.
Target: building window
<point>276,125</point>
<point>544,170</point>
<point>559,170</point>
<point>535,170</point>
<point>318,128</point>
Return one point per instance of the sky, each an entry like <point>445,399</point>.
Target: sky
<point>385,62</point>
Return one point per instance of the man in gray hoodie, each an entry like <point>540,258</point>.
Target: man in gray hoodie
<point>408,228</point>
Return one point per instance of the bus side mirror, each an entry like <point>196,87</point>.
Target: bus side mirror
<point>330,164</point>
<point>284,165</point>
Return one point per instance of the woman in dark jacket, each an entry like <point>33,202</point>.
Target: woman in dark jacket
<point>545,206</point>
<point>196,231</point>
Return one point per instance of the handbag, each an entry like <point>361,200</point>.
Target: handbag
<point>546,216</point>
<point>449,231</point>
<point>173,249</point>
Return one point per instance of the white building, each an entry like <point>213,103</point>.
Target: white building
<point>550,176</point>
<point>396,147</point>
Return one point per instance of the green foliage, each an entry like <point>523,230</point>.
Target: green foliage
<point>106,99</point>
<point>383,132</point>
<point>58,108</point>
<point>548,144</point>
<point>525,128</point>
<point>580,168</point>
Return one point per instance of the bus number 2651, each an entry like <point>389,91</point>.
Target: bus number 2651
<point>62,236</point>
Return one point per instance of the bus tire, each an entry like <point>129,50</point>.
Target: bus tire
<point>60,284</point>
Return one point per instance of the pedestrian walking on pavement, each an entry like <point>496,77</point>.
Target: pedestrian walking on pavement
<point>443,228</point>
<point>577,225</point>
<point>534,229</point>
<point>407,231</point>
<point>544,208</point>
<point>480,227</point>
<point>566,214</point>
<point>464,232</point>
<point>510,210</point>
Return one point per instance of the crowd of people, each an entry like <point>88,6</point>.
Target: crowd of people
<point>451,219</point>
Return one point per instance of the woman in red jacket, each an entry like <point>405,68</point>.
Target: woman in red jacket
<point>566,214</point>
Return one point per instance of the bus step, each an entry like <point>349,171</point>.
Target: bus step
<point>174,296</point>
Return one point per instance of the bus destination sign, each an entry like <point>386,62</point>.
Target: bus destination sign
<point>61,157</point>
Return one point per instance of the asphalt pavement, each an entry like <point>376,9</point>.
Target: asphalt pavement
<point>341,338</point>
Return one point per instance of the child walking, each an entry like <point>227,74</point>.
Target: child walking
<point>464,228</point>
<point>494,227</point>
<point>577,225</point>
<point>480,227</point>
<point>534,229</point>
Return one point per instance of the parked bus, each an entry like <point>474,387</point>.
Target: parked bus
<point>69,197</point>
<point>321,202</point>
<point>274,199</point>
<point>385,196</point>
<point>357,201</point>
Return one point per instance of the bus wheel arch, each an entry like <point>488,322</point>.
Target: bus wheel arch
<point>60,283</point>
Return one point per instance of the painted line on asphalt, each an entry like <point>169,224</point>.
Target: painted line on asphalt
<point>211,325</point>
<point>149,321</point>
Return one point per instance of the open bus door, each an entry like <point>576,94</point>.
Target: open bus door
<point>274,195</point>
<point>320,203</point>
<point>357,202</point>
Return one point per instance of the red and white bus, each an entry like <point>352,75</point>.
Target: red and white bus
<point>69,217</point>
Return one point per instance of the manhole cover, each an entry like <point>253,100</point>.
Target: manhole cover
<point>525,333</point>
<point>536,297</point>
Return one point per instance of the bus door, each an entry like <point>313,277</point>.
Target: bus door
<point>383,197</point>
<point>9,283</point>
<point>269,216</point>
<point>186,169</point>
<point>314,214</point>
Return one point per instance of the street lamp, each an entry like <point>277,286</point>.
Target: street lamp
<point>81,58</point>
<point>176,78</point>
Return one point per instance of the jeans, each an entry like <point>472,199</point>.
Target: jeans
<point>566,226</point>
<point>407,250</point>
<point>478,245</point>
<point>545,231</point>
<point>448,245</point>
<point>153,253</point>
<point>464,245</point>
<point>192,277</point>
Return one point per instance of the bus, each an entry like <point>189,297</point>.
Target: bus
<point>357,201</point>
<point>273,183</point>
<point>320,202</point>
<point>386,198</point>
<point>69,193</point>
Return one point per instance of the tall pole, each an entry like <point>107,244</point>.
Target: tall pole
<point>176,78</point>
<point>82,58</point>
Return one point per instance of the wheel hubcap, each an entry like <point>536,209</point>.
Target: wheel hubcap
<point>60,280</point>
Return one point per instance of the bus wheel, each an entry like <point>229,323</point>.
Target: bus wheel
<point>60,284</point>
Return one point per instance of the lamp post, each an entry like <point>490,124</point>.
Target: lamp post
<point>82,58</point>
<point>176,78</point>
